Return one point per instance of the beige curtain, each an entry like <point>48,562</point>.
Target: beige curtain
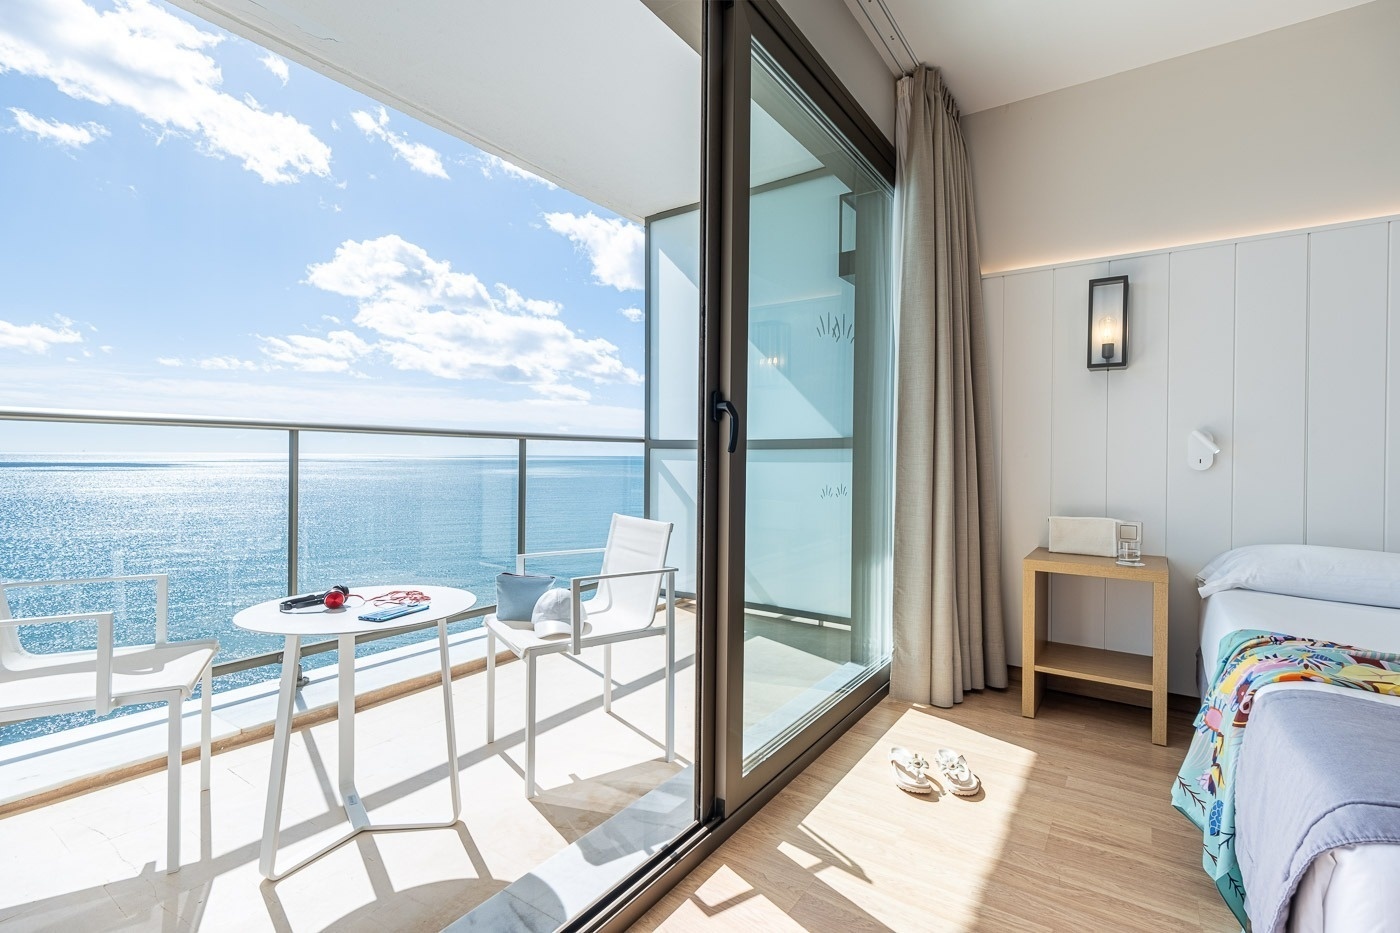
<point>948,634</point>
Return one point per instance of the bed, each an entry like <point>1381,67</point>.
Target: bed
<point>1348,888</point>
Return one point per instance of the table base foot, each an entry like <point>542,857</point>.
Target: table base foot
<point>274,875</point>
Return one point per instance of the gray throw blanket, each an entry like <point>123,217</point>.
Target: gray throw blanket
<point>1316,771</point>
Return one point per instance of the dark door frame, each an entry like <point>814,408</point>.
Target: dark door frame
<point>730,28</point>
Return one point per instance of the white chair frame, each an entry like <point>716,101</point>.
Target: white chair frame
<point>103,704</point>
<point>575,645</point>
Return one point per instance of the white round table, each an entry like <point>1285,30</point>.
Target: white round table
<point>344,624</point>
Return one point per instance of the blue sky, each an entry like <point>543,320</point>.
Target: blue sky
<point>194,225</point>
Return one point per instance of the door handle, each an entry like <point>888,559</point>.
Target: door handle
<point>720,406</point>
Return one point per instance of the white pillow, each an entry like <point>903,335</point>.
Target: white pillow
<point>553,614</point>
<point>1343,575</point>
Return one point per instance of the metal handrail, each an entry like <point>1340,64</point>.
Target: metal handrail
<point>257,424</point>
<point>293,431</point>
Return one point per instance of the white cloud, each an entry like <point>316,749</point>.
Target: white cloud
<point>492,165</point>
<point>635,315</point>
<point>278,66</point>
<point>337,352</point>
<point>227,363</point>
<point>426,317</point>
<point>514,301</point>
<point>145,59</point>
<point>614,247</point>
<point>213,363</point>
<point>37,338</point>
<point>55,131</point>
<point>420,157</point>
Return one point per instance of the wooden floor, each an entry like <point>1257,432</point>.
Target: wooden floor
<point>1073,831</point>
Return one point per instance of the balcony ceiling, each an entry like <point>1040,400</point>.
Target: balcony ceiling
<point>600,97</point>
<point>995,52</point>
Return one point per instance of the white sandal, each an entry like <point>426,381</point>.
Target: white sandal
<point>959,776</point>
<point>908,769</point>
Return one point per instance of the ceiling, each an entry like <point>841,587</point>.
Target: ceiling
<point>601,97</point>
<point>995,52</point>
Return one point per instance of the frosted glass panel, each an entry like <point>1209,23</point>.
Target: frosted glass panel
<point>673,302</point>
<point>801,313</point>
<point>798,531</point>
<point>673,480</point>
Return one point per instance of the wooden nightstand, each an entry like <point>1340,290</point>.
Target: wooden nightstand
<point>1039,656</point>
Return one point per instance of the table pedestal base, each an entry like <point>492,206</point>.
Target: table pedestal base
<point>350,799</point>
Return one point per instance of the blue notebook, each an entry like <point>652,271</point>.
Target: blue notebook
<point>393,612</point>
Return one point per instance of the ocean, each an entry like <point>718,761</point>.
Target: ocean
<point>218,527</point>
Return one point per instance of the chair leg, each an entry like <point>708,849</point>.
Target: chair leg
<point>530,660</point>
<point>490,686</point>
<point>206,708</point>
<point>172,770</point>
<point>607,678</point>
<point>671,688</point>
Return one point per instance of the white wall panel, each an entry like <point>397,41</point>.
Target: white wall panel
<point>1027,311</point>
<point>1392,460</point>
<point>1286,348</point>
<point>1136,477</point>
<point>1079,402</point>
<point>1271,359</point>
<point>1347,280</point>
<point>992,291</point>
<point>1199,385</point>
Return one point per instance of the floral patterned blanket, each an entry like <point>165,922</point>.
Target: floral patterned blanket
<point>1250,659</point>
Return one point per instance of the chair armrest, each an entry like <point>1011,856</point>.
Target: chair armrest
<point>594,577</point>
<point>576,594</point>
<point>162,582</point>
<point>102,694</point>
<point>520,558</point>
<point>50,620</point>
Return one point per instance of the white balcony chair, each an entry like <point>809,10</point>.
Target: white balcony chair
<point>623,608</point>
<point>33,685</point>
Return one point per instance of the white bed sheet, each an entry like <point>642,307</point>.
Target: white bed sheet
<point>1347,623</point>
<point>1350,889</point>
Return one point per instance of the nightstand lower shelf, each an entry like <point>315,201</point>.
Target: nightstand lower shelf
<point>1097,664</point>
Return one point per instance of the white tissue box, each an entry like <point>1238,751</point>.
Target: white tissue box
<point>1094,536</point>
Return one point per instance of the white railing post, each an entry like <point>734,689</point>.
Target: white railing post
<point>293,507</point>
<point>162,608</point>
<point>521,465</point>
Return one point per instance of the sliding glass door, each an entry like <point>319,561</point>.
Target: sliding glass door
<point>806,533</point>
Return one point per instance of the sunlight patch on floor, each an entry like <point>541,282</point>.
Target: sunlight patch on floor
<point>857,852</point>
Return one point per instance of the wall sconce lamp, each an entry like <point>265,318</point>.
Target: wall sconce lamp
<point>1108,322</point>
<point>1201,450</point>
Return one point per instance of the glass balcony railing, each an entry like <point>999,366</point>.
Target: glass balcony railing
<point>245,511</point>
